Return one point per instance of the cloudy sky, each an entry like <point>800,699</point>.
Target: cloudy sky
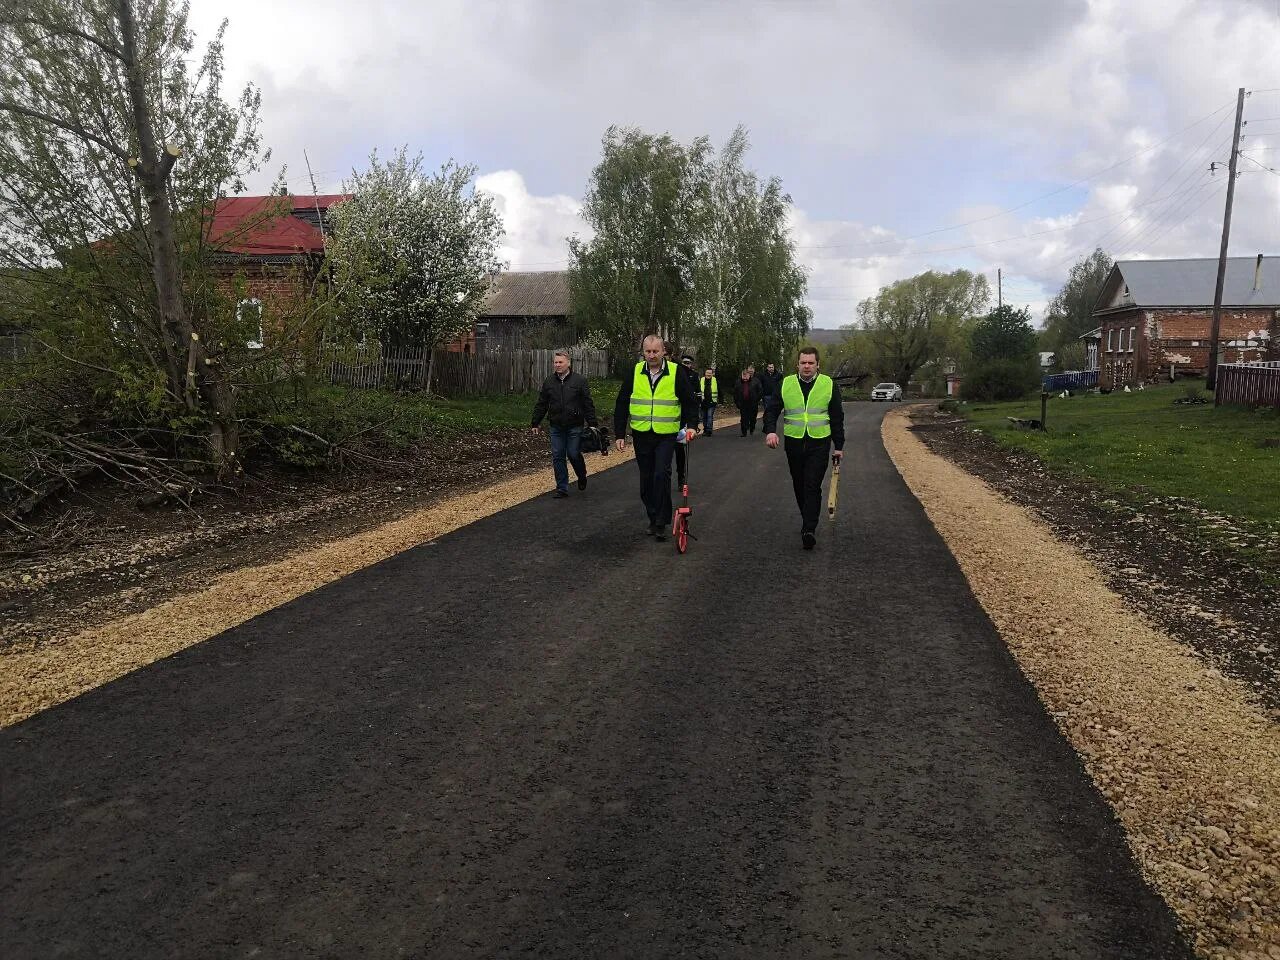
<point>911,134</point>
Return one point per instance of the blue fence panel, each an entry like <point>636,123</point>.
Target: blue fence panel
<point>1072,380</point>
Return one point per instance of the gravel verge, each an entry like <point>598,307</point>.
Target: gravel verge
<point>1184,754</point>
<point>1208,580</point>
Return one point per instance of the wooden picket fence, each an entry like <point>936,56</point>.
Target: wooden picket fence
<point>1249,384</point>
<point>452,374</point>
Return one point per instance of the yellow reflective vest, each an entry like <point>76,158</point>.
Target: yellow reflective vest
<point>654,409</point>
<point>812,417</point>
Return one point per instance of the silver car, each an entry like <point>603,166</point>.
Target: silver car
<point>886,391</point>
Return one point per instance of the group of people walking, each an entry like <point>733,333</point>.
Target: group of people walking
<point>665,406</point>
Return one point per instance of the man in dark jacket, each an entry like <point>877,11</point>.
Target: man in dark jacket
<point>659,405</point>
<point>565,399</point>
<point>770,380</point>
<point>746,396</point>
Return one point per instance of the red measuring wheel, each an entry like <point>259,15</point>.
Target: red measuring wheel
<point>680,528</point>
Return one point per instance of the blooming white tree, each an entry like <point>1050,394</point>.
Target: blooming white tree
<point>412,253</point>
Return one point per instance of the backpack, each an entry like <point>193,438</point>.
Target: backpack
<point>595,439</point>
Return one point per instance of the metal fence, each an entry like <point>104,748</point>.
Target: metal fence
<point>1249,384</point>
<point>451,374</point>
<point>1071,380</point>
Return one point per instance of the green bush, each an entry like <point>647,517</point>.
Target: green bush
<point>1001,380</point>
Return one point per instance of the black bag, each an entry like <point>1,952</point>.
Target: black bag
<point>595,439</point>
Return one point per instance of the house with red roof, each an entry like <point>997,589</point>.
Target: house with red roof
<point>270,249</point>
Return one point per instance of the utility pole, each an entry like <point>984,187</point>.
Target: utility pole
<point>999,286</point>
<point>1211,380</point>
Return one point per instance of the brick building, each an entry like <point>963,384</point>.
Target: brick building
<point>269,250</point>
<point>1154,317</point>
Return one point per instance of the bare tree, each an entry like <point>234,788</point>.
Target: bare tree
<point>112,155</point>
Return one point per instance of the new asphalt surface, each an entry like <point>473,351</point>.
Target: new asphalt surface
<point>546,735</point>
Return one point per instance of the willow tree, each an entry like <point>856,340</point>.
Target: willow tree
<point>922,318</point>
<point>112,152</point>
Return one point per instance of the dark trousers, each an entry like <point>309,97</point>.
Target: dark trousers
<point>748,420</point>
<point>807,459</point>
<point>653,457</point>
<point>566,444</point>
<point>681,469</point>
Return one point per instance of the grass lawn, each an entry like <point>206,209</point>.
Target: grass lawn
<point>1144,443</point>
<point>402,418</point>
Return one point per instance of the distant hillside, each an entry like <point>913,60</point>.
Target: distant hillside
<point>825,338</point>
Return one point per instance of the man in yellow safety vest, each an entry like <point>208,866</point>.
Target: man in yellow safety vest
<point>659,405</point>
<point>813,423</point>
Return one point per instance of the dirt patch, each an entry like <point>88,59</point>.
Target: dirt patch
<point>1209,581</point>
<point>97,556</point>
<point>1187,759</point>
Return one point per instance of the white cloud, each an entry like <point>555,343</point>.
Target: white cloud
<point>536,227</point>
<point>883,120</point>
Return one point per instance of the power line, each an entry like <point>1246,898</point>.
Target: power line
<point>1044,196</point>
<point>1163,224</point>
<point>1023,236</point>
<point>1144,222</point>
<point>1211,195</point>
<point>1263,166</point>
<point>1198,179</point>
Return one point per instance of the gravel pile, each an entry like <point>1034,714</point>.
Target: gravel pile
<point>1189,762</point>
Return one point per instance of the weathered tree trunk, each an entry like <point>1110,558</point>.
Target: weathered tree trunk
<point>200,382</point>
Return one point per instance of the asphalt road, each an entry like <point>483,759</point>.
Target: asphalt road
<point>546,735</point>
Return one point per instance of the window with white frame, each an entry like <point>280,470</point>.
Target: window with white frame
<point>249,312</point>
<point>1111,339</point>
<point>1132,331</point>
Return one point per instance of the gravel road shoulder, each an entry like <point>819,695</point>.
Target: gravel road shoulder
<point>1188,759</point>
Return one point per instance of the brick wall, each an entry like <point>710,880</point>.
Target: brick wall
<point>281,290</point>
<point>1180,338</point>
<point>1123,348</point>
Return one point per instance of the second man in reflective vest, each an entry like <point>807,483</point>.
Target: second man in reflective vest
<point>813,424</point>
<point>656,402</point>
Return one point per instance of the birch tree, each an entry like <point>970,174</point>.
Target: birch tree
<point>112,151</point>
<point>633,276</point>
<point>689,244</point>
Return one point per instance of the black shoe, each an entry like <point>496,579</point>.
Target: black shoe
<point>559,494</point>
<point>582,483</point>
<point>808,539</point>
<point>651,530</point>
<point>660,533</point>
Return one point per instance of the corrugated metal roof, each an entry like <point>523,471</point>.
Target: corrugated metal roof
<point>268,226</point>
<point>1190,283</point>
<point>543,294</point>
